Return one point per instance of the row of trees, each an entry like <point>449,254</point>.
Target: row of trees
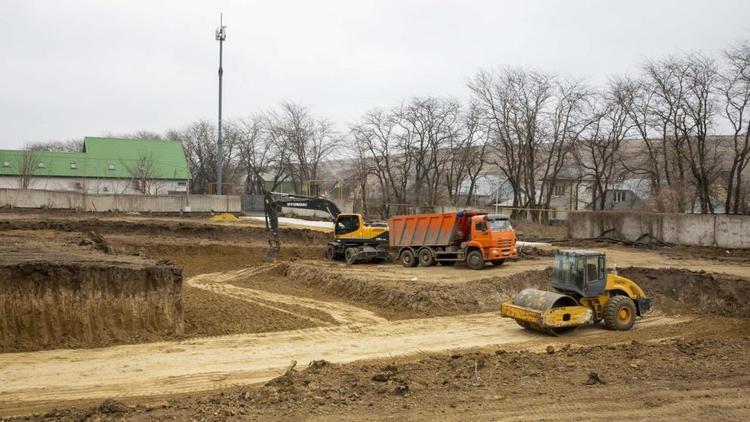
<point>288,144</point>
<point>660,125</point>
<point>532,128</point>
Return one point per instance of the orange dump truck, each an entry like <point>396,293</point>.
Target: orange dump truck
<point>466,236</point>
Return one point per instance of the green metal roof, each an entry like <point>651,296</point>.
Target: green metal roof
<point>104,158</point>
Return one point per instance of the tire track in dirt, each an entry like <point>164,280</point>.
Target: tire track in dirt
<point>220,283</point>
<point>45,379</point>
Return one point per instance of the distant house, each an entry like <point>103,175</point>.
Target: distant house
<point>618,199</point>
<point>105,165</point>
<point>573,191</point>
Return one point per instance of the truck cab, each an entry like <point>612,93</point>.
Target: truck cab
<point>494,236</point>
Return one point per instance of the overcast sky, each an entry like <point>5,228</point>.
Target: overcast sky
<point>75,68</point>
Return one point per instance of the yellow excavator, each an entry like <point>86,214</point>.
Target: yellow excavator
<point>584,293</point>
<point>353,239</point>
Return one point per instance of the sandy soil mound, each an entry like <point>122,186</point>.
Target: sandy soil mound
<point>224,218</point>
<point>413,299</point>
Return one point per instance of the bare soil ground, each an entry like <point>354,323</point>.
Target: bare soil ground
<point>383,341</point>
<point>673,379</point>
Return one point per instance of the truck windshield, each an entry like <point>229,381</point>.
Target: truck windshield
<point>499,225</point>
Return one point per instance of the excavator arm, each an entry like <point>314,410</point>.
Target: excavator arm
<point>273,202</point>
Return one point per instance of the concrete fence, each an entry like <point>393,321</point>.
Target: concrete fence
<point>17,198</point>
<point>725,231</point>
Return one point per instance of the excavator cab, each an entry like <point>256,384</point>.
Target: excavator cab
<point>356,241</point>
<point>579,272</point>
<point>347,224</point>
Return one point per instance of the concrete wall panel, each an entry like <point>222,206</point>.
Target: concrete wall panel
<point>725,231</point>
<point>16,198</point>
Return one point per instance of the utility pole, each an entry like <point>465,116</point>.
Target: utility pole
<point>221,35</point>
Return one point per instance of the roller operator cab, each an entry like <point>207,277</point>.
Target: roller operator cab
<point>468,236</point>
<point>354,239</point>
<point>584,293</point>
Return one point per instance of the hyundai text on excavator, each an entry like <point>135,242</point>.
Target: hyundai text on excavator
<point>353,239</point>
<point>584,293</point>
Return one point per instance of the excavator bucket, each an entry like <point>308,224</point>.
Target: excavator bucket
<point>274,247</point>
<point>546,312</point>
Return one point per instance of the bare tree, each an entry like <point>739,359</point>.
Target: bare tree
<point>304,142</point>
<point>376,134</point>
<point>466,155</point>
<point>511,101</point>
<point>735,87</point>
<point>143,172</point>
<point>360,170</point>
<point>568,119</point>
<point>532,118</point>
<point>599,151</point>
<point>427,128</point>
<point>257,155</point>
<point>70,145</point>
<point>142,134</point>
<point>665,87</point>
<point>27,167</point>
<point>696,125</point>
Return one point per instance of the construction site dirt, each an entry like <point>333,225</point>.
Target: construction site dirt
<point>370,341</point>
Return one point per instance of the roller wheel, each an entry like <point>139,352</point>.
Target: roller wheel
<point>475,260</point>
<point>620,313</point>
<point>408,259</point>
<point>351,255</point>
<point>426,258</point>
<point>331,252</point>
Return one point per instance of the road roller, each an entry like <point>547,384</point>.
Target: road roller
<point>584,293</point>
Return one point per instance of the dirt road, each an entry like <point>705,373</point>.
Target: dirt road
<point>338,311</point>
<point>40,380</point>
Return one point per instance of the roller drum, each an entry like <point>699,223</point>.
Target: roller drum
<point>541,301</point>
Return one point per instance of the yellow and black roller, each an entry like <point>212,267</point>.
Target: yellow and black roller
<point>547,312</point>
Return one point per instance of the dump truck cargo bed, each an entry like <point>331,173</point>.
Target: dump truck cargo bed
<point>440,229</point>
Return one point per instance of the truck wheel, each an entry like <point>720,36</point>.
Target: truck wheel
<point>426,258</point>
<point>350,254</point>
<point>331,252</point>
<point>475,260</point>
<point>620,313</point>
<point>408,259</point>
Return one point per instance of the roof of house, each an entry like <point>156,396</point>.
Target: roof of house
<point>103,158</point>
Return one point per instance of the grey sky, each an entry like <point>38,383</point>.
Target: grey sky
<point>75,68</point>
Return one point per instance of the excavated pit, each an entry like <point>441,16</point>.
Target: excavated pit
<point>57,293</point>
<point>59,299</point>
